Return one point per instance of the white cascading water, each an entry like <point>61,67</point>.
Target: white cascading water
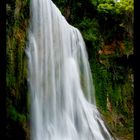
<point>60,79</point>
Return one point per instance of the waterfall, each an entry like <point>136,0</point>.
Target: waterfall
<point>63,103</point>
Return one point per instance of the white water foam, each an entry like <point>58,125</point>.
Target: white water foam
<point>63,103</point>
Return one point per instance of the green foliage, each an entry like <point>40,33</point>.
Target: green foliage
<point>106,8</point>
<point>116,14</point>
<point>125,5</point>
<point>15,116</point>
<point>89,29</point>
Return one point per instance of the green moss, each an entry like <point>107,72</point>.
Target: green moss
<point>16,72</point>
<point>14,115</point>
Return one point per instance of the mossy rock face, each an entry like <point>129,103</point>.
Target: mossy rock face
<point>17,17</point>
